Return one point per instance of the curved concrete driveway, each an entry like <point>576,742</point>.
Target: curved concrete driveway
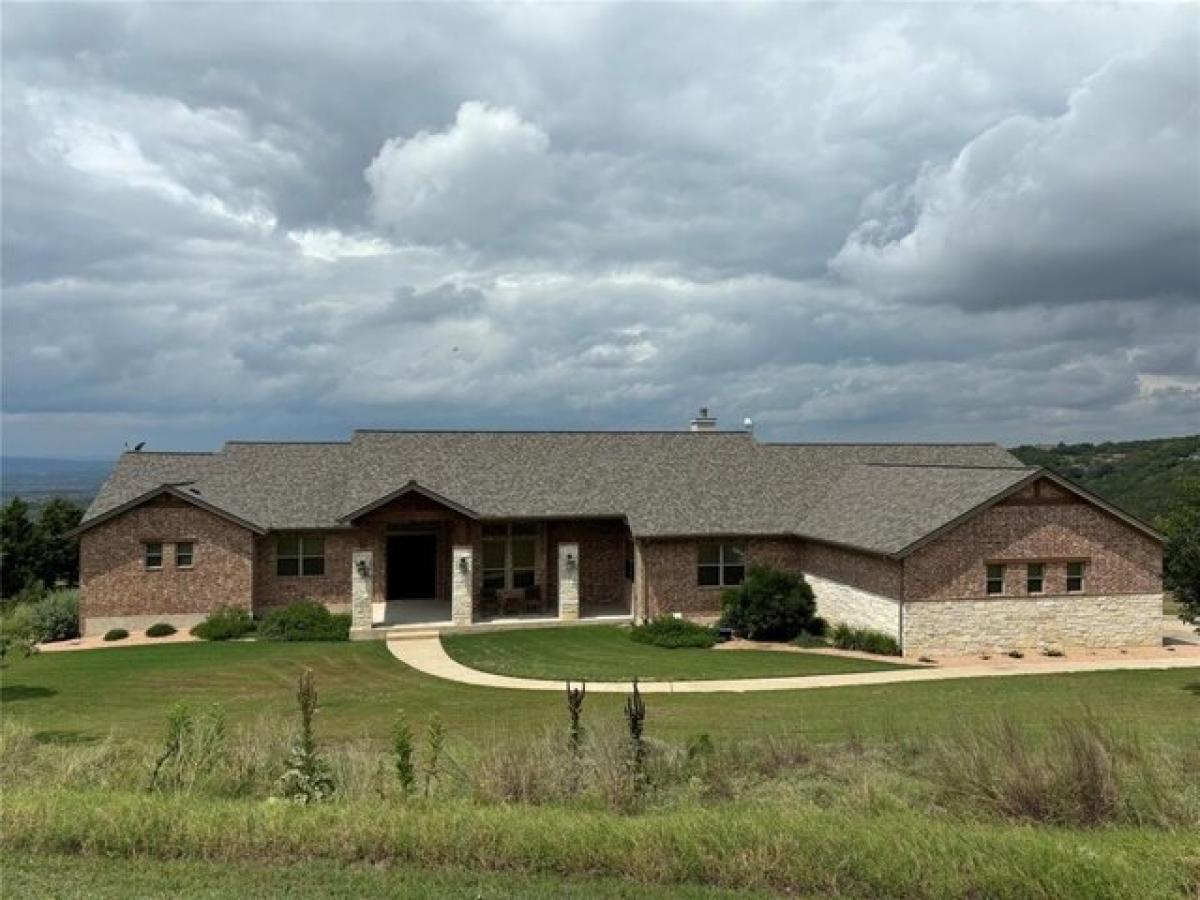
<point>427,655</point>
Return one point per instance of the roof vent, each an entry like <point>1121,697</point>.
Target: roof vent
<point>704,422</point>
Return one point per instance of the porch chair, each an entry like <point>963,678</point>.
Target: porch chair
<point>533,600</point>
<point>489,603</point>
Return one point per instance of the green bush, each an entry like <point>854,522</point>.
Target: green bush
<point>116,634</point>
<point>16,630</point>
<point>769,605</point>
<point>864,639</point>
<point>56,616</point>
<point>225,623</point>
<point>160,629</point>
<point>305,620</point>
<point>667,631</point>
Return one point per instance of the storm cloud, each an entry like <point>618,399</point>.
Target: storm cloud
<point>895,223</point>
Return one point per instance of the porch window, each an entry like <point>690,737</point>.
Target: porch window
<point>509,555</point>
<point>995,579</point>
<point>299,554</point>
<point>721,565</point>
<point>1035,578</point>
<point>152,554</point>
<point>1074,578</point>
<point>185,554</point>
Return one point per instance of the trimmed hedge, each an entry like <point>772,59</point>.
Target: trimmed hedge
<point>116,634</point>
<point>305,620</point>
<point>224,624</point>
<point>865,640</point>
<point>669,632</point>
<point>160,629</point>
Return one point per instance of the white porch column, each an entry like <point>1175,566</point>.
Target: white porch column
<point>568,581</point>
<point>362,566</point>
<point>462,581</point>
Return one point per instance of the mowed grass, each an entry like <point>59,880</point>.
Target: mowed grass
<point>98,878</point>
<point>607,653</point>
<point>127,692</point>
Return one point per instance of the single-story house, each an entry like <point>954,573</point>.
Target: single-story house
<point>947,547</point>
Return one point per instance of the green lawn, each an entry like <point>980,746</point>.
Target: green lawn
<point>83,696</point>
<point>98,878</point>
<point>606,653</point>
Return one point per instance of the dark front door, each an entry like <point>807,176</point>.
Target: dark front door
<point>412,566</point>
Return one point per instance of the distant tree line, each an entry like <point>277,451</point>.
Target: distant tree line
<point>36,550</point>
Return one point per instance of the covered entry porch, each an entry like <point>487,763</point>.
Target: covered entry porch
<point>423,561</point>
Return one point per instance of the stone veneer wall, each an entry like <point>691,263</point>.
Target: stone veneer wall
<point>117,591</point>
<point>670,567</point>
<point>839,604</point>
<point>996,625</point>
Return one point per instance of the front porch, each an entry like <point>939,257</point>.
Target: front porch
<point>425,563</point>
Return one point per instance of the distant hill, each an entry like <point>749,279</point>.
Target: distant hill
<point>36,480</point>
<point>1142,477</point>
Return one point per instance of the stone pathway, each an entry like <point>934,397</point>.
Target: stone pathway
<point>427,655</point>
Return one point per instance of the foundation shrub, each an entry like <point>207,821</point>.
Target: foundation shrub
<point>116,634</point>
<point>55,616</point>
<point>305,620</point>
<point>770,605</point>
<point>865,640</point>
<point>160,629</point>
<point>669,632</point>
<point>225,623</point>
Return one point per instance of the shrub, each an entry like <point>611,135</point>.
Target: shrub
<point>805,639</point>
<point>865,640</point>
<point>667,631</point>
<point>16,631</point>
<point>160,629</point>
<point>225,623</point>
<point>116,634</point>
<point>769,605</point>
<point>55,616</point>
<point>305,620</point>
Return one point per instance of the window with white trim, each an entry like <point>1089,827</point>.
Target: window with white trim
<point>720,564</point>
<point>994,579</point>
<point>1035,578</point>
<point>185,554</point>
<point>299,554</point>
<point>152,554</point>
<point>509,555</point>
<point>1075,577</point>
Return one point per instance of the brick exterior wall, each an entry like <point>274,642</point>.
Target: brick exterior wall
<point>604,547</point>
<point>874,574</point>
<point>671,573</point>
<point>1050,530</point>
<point>332,589</point>
<point>117,590</point>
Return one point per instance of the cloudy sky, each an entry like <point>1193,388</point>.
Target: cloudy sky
<point>284,221</point>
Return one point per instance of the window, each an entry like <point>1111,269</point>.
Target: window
<point>720,565</point>
<point>300,554</point>
<point>1035,578</point>
<point>184,554</point>
<point>509,555</point>
<point>1075,578</point>
<point>995,579</point>
<point>153,554</point>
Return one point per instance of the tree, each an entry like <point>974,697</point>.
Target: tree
<point>17,547</point>
<point>1181,558</point>
<point>58,557</point>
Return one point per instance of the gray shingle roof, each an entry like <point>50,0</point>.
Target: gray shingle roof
<point>665,483</point>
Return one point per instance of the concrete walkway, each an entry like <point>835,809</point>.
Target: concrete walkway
<point>427,655</point>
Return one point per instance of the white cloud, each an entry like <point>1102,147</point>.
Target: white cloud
<point>485,173</point>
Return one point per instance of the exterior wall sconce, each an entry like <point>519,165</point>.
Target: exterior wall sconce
<point>464,566</point>
<point>364,569</point>
<point>572,563</point>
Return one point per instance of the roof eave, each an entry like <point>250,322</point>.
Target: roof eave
<point>161,489</point>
